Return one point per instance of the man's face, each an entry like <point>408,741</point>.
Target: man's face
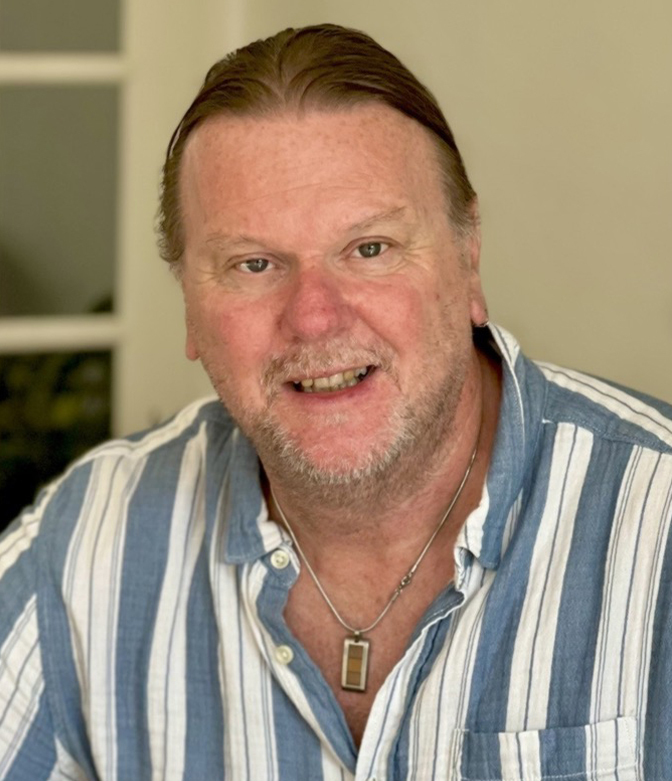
<point>318,253</point>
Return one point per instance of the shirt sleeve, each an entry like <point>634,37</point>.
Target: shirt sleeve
<point>27,740</point>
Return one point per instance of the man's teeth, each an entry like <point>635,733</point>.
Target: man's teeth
<point>338,381</point>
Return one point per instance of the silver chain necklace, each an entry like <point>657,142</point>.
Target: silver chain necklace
<point>354,668</point>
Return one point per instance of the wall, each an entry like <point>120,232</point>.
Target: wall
<point>564,114</point>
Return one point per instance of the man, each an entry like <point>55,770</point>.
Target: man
<point>405,551</point>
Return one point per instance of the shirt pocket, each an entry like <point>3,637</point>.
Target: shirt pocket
<point>602,751</point>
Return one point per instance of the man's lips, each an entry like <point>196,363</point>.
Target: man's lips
<point>333,382</point>
<point>333,368</point>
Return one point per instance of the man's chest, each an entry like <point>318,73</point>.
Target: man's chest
<point>312,621</point>
<point>517,673</point>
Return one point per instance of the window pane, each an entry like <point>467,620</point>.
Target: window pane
<point>59,25</point>
<point>58,182</point>
<point>53,407</point>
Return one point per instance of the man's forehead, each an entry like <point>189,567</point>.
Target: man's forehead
<point>307,134</point>
<point>291,180</point>
<point>370,157</point>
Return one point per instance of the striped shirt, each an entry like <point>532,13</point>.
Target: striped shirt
<point>142,632</point>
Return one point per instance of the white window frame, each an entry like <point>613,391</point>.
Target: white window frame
<point>166,48</point>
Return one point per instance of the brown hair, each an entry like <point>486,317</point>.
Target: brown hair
<point>323,66</point>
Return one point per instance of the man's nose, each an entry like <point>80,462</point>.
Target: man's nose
<point>316,305</point>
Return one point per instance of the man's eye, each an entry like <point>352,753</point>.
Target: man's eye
<point>371,249</point>
<point>254,265</point>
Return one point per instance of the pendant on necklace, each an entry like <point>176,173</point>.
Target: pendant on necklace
<point>355,663</point>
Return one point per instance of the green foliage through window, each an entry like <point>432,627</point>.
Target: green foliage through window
<point>53,407</point>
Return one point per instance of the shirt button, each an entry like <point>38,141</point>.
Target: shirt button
<point>284,654</point>
<point>279,558</point>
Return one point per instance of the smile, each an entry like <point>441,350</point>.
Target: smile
<point>334,382</point>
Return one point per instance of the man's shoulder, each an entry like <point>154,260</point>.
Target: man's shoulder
<point>206,419</point>
<point>608,410</point>
<point>129,492</point>
<point>204,414</point>
<point>541,392</point>
<point>145,463</point>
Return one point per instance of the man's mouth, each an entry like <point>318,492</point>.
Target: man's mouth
<point>333,382</point>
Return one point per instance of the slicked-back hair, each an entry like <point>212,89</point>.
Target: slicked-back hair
<point>319,67</point>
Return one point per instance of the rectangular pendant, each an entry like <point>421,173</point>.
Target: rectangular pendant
<point>355,664</point>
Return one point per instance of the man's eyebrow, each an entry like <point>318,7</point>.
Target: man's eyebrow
<point>232,240</point>
<point>229,240</point>
<point>386,216</point>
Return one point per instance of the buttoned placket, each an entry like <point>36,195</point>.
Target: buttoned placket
<point>286,657</point>
<point>277,571</point>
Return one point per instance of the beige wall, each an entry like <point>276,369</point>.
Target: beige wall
<point>564,114</point>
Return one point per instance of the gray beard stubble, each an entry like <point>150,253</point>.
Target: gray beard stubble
<point>417,432</point>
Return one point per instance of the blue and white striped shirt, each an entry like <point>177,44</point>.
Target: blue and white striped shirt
<point>142,632</point>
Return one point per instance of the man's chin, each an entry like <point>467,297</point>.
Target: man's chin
<point>320,466</point>
<point>357,467</point>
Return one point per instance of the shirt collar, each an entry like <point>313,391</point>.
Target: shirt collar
<point>523,396</point>
<point>236,513</point>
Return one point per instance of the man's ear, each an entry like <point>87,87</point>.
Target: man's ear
<point>190,349</point>
<point>478,308</point>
